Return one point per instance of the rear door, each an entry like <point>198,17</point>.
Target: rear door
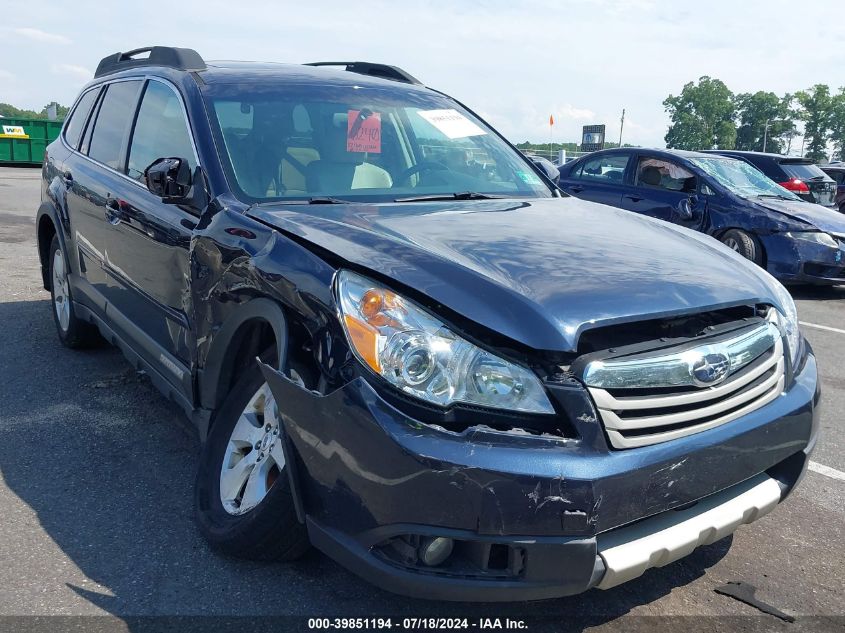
<point>661,188</point>
<point>95,175</point>
<point>599,178</point>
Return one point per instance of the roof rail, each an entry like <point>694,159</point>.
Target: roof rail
<point>374,70</point>
<point>179,58</point>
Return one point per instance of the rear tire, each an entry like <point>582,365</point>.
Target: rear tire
<point>72,331</point>
<point>744,244</point>
<point>254,516</point>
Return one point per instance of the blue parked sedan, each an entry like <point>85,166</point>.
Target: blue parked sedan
<point>726,198</point>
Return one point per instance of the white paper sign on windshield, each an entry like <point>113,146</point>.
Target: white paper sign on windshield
<point>452,123</point>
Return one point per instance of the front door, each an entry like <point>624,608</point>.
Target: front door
<point>665,190</point>
<point>152,239</point>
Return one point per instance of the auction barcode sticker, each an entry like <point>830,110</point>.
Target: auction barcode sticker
<point>452,123</point>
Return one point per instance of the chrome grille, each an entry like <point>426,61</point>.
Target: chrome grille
<point>667,401</point>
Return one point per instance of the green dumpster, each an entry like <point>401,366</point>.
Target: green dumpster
<point>23,141</point>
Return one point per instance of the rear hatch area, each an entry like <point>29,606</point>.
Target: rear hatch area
<point>822,187</point>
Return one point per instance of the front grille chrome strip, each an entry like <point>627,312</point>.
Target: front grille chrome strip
<point>613,421</point>
<point>673,369</point>
<point>651,415</point>
<point>604,400</point>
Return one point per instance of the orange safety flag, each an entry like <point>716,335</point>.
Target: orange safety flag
<point>551,120</point>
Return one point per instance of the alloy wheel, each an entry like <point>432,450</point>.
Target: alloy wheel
<point>254,458</point>
<point>61,296</point>
<point>732,244</point>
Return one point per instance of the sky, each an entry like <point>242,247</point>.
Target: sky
<point>515,63</point>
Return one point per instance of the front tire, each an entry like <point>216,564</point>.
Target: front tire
<point>72,331</point>
<point>243,498</point>
<point>744,244</point>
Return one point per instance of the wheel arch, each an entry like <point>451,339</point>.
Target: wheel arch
<point>46,223</point>
<point>255,326</point>
<point>754,235</point>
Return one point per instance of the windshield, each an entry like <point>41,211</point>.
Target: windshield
<point>359,143</point>
<point>741,178</point>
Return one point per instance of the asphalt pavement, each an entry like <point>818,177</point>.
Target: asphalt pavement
<point>96,478</point>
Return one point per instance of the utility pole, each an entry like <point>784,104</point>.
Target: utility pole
<point>621,126</point>
<point>766,134</point>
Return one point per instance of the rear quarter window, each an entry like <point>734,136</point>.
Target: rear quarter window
<point>76,122</point>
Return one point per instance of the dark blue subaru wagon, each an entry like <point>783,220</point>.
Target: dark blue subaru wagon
<point>401,343</point>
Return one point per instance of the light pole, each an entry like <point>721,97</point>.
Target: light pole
<point>765,134</point>
<point>621,126</point>
<point>766,130</point>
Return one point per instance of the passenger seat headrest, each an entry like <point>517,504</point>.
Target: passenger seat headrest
<point>651,176</point>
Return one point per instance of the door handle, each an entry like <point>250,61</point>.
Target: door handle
<point>114,212</point>
<point>576,188</point>
<point>633,198</point>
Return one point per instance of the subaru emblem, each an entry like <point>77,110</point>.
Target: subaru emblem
<point>710,369</point>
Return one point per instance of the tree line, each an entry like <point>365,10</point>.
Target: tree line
<point>707,115</point>
<point>11,112</point>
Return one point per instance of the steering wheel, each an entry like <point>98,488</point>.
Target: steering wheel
<point>426,165</point>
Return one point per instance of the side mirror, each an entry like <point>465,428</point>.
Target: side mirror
<point>547,167</point>
<point>169,178</point>
<point>685,207</point>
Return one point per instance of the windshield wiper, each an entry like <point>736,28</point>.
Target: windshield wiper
<point>463,195</point>
<point>314,200</point>
<point>327,200</point>
<point>774,195</point>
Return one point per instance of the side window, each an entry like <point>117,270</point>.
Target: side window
<point>606,168</point>
<point>76,123</point>
<point>161,131</point>
<point>662,174</point>
<point>112,125</point>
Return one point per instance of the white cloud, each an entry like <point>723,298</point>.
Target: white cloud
<point>41,36</point>
<point>569,111</point>
<point>6,75</point>
<point>72,69</point>
<point>515,62</point>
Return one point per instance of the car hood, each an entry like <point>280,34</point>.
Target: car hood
<point>823,218</point>
<point>539,272</point>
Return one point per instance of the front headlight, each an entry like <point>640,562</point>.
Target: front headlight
<point>814,236</point>
<point>788,320</point>
<point>418,354</point>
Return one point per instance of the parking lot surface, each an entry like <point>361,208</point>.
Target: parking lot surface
<point>96,478</point>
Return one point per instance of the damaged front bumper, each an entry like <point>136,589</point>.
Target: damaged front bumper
<point>801,261</point>
<point>529,517</point>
